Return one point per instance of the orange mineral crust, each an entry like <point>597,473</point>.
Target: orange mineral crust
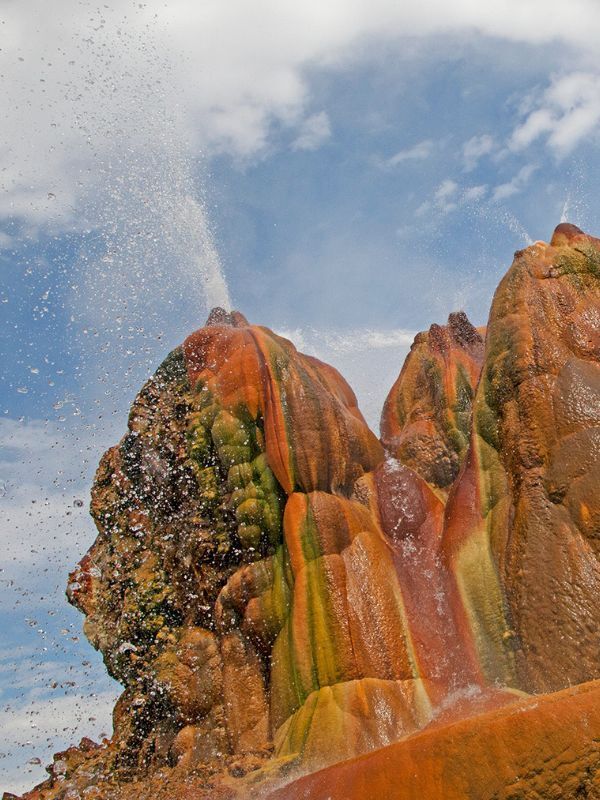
<point>427,414</point>
<point>315,436</point>
<point>282,595</point>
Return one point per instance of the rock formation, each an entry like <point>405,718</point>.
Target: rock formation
<point>426,418</point>
<point>522,530</point>
<point>279,592</point>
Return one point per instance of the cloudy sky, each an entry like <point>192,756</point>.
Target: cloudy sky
<point>344,172</point>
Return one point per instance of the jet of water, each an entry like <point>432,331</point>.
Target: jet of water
<point>516,227</point>
<point>206,257</point>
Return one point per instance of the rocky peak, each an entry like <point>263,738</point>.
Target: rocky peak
<point>218,316</point>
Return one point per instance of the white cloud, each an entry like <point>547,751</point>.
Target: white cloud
<point>94,135</point>
<point>367,339</point>
<point>566,112</point>
<point>53,688</point>
<point>475,148</point>
<point>418,152</point>
<point>515,185</point>
<point>6,241</point>
<point>445,198</point>
<point>450,196</point>
<point>537,123</point>
<point>445,190</point>
<point>315,130</point>
<point>93,94</point>
<point>474,193</point>
<point>44,522</point>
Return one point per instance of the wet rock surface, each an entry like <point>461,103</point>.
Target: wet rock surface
<point>281,594</point>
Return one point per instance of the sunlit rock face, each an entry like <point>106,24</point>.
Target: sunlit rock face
<point>426,417</point>
<point>522,531</point>
<point>278,591</point>
<point>226,587</point>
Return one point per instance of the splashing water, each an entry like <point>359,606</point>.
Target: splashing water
<point>494,215</point>
<point>148,269</point>
<point>516,227</point>
<point>116,168</point>
<point>206,259</point>
<point>575,210</point>
<point>113,180</point>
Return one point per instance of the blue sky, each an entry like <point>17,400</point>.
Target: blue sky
<point>346,173</point>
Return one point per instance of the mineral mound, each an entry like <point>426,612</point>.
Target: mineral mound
<point>297,609</point>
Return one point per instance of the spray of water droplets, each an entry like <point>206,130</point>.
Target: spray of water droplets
<point>97,161</point>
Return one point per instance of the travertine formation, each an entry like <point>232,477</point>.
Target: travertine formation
<point>522,532</point>
<point>279,591</point>
<point>426,418</point>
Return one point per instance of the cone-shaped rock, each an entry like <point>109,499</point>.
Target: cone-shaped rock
<point>427,415</point>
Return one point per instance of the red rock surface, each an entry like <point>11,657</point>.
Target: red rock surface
<point>278,591</point>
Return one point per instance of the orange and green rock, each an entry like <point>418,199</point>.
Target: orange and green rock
<point>521,534</point>
<point>426,417</point>
<point>282,595</point>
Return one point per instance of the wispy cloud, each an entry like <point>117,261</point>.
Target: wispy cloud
<point>515,185</point>
<point>475,148</point>
<point>417,152</point>
<point>446,190</point>
<point>473,194</point>
<point>314,131</point>
<point>219,77</point>
<point>50,698</point>
<point>565,113</point>
<point>44,522</point>
<point>450,196</point>
<point>36,726</point>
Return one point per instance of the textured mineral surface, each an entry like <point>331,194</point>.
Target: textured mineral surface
<point>296,609</point>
